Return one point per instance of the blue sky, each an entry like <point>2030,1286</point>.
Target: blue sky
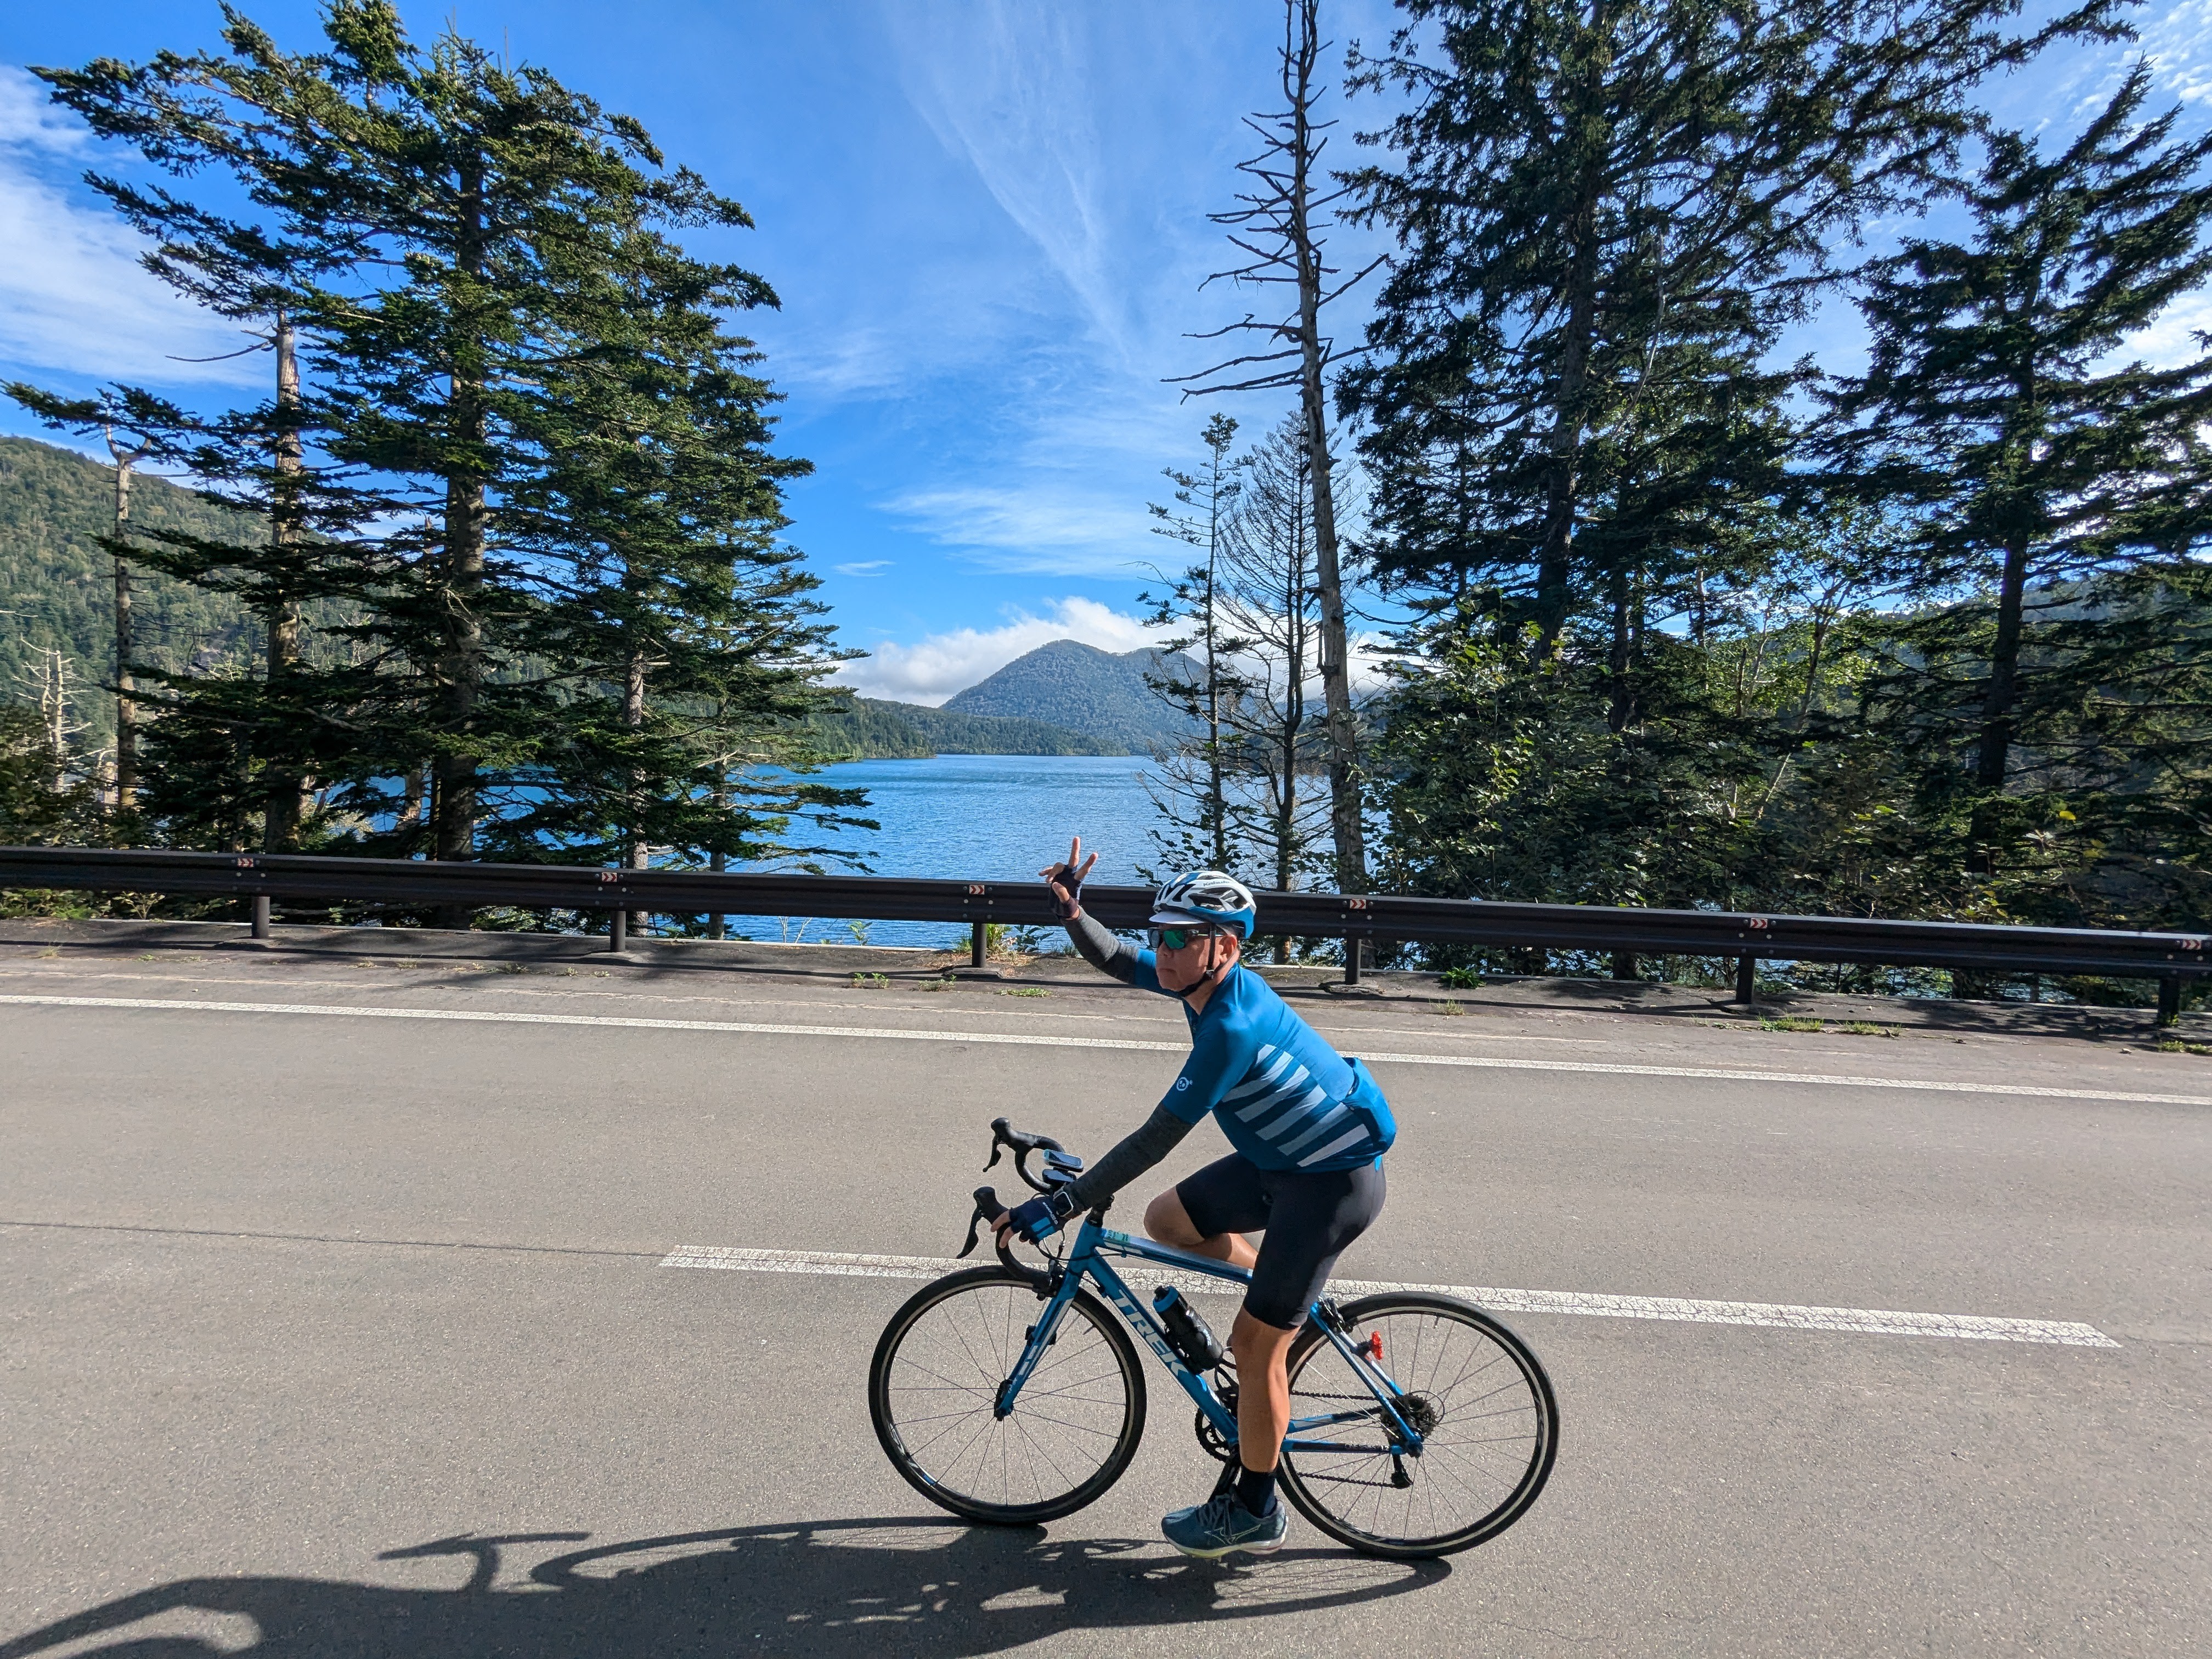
<point>987,222</point>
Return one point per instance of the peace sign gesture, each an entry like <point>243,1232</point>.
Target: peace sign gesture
<point>1066,880</point>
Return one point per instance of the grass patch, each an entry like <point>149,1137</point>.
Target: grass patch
<point>2176,1046</point>
<point>1791,1023</point>
<point>1448,1006</point>
<point>1865,1028</point>
<point>945,984</point>
<point>862,982</point>
<point>1460,979</point>
<point>1027,990</point>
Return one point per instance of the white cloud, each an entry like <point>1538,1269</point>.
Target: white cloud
<point>73,297</point>
<point>1045,527</point>
<point>862,567</point>
<point>28,117</point>
<point>932,669</point>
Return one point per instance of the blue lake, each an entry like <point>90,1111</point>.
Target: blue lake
<point>995,817</point>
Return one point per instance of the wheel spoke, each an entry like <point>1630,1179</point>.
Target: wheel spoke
<point>938,1388</point>
<point>1470,1388</point>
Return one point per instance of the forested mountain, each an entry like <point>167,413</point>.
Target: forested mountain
<point>58,588</point>
<point>1083,689</point>
<point>866,728</point>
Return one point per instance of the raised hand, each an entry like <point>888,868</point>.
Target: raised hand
<point>1066,880</point>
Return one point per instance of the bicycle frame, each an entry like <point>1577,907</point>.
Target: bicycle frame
<point>1086,1263</point>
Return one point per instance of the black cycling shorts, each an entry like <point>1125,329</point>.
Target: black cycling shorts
<point>1307,1218</point>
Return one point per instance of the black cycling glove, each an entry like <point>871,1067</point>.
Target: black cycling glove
<point>1042,1216</point>
<point>1066,884</point>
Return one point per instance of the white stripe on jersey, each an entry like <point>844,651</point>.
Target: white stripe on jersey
<point>1274,1097</point>
<point>1334,1115</point>
<point>1312,1098</point>
<point>1334,1148</point>
<point>1253,1084</point>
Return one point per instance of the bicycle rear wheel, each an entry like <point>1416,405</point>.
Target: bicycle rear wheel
<point>934,1383</point>
<point>1473,1390</point>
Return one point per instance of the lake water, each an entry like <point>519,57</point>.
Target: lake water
<point>991,817</point>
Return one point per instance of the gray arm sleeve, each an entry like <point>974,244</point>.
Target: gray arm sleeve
<point>1098,946</point>
<point>1154,1140</point>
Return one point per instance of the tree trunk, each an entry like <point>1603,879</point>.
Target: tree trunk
<point>126,705</point>
<point>284,807</point>
<point>1294,706</point>
<point>460,663</point>
<point>2004,670</point>
<point>1217,805</point>
<point>639,855</point>
<point>1623,710</point>
<point>1569,416</point>
<point>1344,772</point>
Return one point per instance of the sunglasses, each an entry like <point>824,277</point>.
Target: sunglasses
<point>1179,938</point>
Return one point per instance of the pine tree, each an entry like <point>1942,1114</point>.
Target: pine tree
<point>475,264</point>
<point>1605,215</point>
<point>2053,690</point>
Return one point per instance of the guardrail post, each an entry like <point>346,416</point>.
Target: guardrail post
<point>2169,1001</point>
<point>619,931</point>
<point>1352,958</point>
<point>261,916</point>
<point>1623,964</point>
<point>976,943</point>
<point>1747,979</point>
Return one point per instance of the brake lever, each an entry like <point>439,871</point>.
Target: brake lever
<point>984,1197</point>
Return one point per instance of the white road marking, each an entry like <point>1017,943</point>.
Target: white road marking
<point>1010,1039</point>
<point>1858,1322</point>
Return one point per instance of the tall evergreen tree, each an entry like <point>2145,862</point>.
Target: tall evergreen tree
<point>476,264</point>
<point>1605,215</point>
<point>2054,687</point>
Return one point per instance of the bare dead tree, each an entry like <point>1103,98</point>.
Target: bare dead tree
<point>126,706</point>
<point>1280,224</point>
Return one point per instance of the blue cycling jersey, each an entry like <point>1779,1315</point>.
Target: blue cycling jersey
<point>1285,1099</point>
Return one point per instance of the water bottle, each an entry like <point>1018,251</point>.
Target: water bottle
<point>1188,1334</point>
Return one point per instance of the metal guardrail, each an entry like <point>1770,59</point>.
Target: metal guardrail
<point>1749,939</point>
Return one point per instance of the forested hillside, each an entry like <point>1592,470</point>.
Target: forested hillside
<point>56,582</point>
<point>866,728</point>
<point>1083,689</point>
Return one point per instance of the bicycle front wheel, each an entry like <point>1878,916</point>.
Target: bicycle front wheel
<point>934,1388</point>
<point>1471,1389</point>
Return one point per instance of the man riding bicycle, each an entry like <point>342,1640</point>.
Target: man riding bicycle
<point>1310,1128</point>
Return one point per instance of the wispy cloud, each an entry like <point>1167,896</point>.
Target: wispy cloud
<point>73,297</point>
<point>1012,93</point>
<point>932,669</point>
<point>862,567</point>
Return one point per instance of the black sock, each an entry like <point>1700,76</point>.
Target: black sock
<point>1255,1491</point>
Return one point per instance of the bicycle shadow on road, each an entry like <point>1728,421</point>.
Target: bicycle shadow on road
<point>829,1587</point>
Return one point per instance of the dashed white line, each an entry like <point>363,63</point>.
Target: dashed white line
<point>1856,1321</point>
<point>1013,1039</point>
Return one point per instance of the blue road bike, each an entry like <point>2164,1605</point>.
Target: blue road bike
<point>1011,1395</point>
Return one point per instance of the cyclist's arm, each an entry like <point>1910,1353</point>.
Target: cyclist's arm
<point>1217,1059</point>
<point>1097,945</point>
<point>1159,1134</point>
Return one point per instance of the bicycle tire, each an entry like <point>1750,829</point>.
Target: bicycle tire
<point>987,1334</point>
<point>1502,1409</point>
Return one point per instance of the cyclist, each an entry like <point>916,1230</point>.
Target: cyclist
<point>1310,1128</point>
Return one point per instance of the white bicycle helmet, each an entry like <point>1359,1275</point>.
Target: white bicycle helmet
<point>1207,895</point>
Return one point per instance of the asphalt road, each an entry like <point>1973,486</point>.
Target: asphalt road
<point>334,1334</point>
